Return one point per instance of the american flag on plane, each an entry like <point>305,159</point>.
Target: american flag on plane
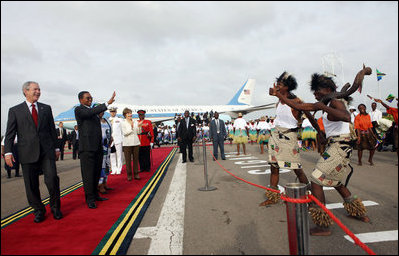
<point>247,92</point>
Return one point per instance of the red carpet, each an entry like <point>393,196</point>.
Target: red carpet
<point>81,229</point>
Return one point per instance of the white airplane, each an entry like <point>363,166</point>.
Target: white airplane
<point>241,102</point>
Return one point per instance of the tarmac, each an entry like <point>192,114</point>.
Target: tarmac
<point>182,219</point>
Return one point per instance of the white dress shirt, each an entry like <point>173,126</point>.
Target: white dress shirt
<point>375,115</point>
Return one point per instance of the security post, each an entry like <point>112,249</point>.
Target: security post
<point>206,188</point>
<point>297,219</point>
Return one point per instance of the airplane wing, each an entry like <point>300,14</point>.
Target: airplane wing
<point>251,109</point>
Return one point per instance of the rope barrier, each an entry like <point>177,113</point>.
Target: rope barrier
<point>308,200</point>
<point>343,227</point>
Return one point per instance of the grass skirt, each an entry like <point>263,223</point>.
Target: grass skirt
<point>240,136</point>
<point>308,133</point>
<point>264,136</point>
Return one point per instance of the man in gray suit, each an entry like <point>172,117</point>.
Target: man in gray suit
<point>33,123</point>
<point>217,133</point>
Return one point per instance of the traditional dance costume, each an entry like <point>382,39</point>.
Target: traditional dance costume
<point>253,134</point>
<point>264,132</point>
<point>333,169</point>
<point>240,135</point>
<point>283,142</point>
<point>231,131</point>
<point>308,132</point>
<point>283,145</point>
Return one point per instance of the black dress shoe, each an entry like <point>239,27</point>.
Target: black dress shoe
<point>101,198</point>
<point>39,216</point>
<point>223,158</point>
<point>191,160</point>
<point>57,214</point>
<point>92,205</point>
<point>184,161</point>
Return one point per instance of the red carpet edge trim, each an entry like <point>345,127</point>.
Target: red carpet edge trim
<point>117,240</point>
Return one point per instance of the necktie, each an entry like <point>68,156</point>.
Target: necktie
<point>187,122</point>
<point>34,114</point>
<point>217,125</point>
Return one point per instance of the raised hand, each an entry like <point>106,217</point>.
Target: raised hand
<point>112,98</point>
<point>273,90</point>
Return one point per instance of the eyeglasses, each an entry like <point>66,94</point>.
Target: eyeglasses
<point>89,98</point>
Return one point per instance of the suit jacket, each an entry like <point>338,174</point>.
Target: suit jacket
<point>73,137</point>
<point>89,127</point>
<point>213,129</point>
<point>31,139</point>
<point>64,136</point>
<point>183,132</point>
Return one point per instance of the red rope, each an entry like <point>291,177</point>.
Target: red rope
<point>309,199</point>
<point>344,228</point>
<point>295,200</point>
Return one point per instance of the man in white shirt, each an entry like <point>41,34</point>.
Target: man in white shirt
<point>375,116</point>
<point>117,135</point>
<point>353,112</point>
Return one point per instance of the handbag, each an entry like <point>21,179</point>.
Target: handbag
<point>113,149</point>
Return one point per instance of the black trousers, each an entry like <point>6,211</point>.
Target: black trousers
<point>145,158</point>
<point>187,143</point>
<point>61,145</point>
<point>90,166</point>
<point>31,179</point>
<point>75,150</point>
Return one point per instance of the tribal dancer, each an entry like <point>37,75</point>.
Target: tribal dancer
<point>253,134</point>
<point>332,169</point>
<point>283,143</point>
<point>264,133</point>
<point>240,133</point>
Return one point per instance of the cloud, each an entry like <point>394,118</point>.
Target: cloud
<point>177,53</point>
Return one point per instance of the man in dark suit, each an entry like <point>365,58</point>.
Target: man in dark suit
<point>217,134</point>
<point>90,145</point>
<point>75,142</point>
<point>33,123</point>
<point>177,131</point>
<point>61,138</point>
<point>186,136</point>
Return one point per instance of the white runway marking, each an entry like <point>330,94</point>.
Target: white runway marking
<point>243,158</point>
<point>340,205</point>
<point>167,236</point>
<point>255,166</point>
<point>266,171</point>
<point>374,237</point>
<point>251,162</point>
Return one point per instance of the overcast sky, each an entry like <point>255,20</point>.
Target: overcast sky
<point>178,53</point>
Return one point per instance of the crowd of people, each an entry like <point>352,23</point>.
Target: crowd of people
<point>103,145</point>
